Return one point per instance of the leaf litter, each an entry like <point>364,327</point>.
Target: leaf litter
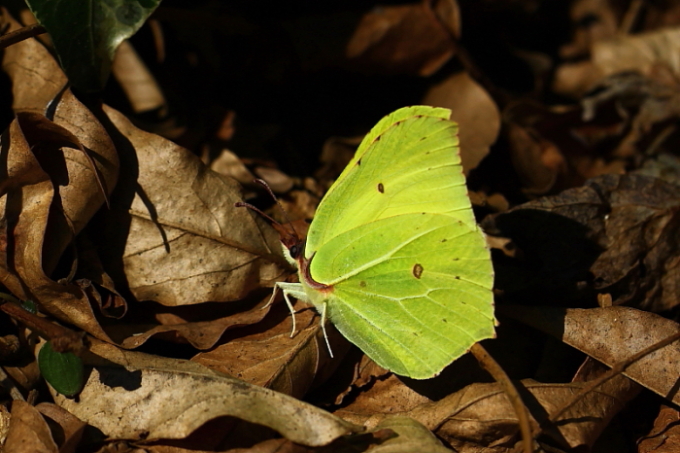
<point>571,155</point>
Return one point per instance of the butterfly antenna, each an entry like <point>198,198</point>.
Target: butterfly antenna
<point>264,184</point>
<point>243,204</point>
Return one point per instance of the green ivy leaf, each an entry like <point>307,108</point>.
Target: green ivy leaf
<point>86,34</point>
<point>62,370</point>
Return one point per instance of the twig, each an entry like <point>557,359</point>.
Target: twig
<point>494,369</point>
<point>21,34</point>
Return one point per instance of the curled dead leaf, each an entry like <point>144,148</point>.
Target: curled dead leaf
<point>28,431</point>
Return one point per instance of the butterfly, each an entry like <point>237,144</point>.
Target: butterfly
<point>394,257</point>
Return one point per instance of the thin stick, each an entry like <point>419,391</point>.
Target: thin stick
<point>494,369</point>
<point>21,34</point>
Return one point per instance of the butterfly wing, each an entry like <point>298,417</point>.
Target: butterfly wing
<point>408,163</point>
<point>412,291</point>
<point>396,241</point>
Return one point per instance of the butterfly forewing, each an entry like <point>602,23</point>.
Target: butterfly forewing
<point>411,166</point>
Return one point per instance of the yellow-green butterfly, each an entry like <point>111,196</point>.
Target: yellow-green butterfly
<point>394,257</point>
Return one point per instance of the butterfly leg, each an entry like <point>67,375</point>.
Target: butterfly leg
<point>295,290</point>
<point>292,313</point>
<point>323,329</point>
<point>271,299</point>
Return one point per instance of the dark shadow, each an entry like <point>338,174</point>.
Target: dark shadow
<point>552,260</point>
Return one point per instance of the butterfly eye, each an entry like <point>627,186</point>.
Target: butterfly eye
<point>294,251</point>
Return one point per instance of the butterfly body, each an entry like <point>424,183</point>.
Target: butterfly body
<point>394,257</point>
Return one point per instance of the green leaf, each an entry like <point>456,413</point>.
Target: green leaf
<point>62,370</point>
<point>86,34</point>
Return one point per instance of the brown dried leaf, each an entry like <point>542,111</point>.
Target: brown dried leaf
<point>410,436</point>
<point>139,396</point>
<point>71,429</point>
<point>642,103</point>
<point>644,53</point>
<point>404,39</point>
<point>594,21</point>
<point>480,414</point>
<point>186,242</point>
<point>139,85</point>
<point>270,358</point>
<point>611,335</point>
<point>664,437</point>
<point>42,212</point>
<point>28,431</point>
<point>474,111</point>
<point>228,164</point>
<point>384,397</point>
<point>556,149</point>
<point>185,324</point>
<point>30,63</point>
<point>617,234</point>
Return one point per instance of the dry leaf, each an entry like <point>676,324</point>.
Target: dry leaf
<point>35,233</point>
<point>383,397</point>
<point>269,357</point>
<point>185,242</point>
<point>5,417</point>
<point>408,39</point>
<point>556,149</point>
<point>71,429</point>
<point>643,53</point>
<point>139,396</point>
<point>617,234</point>
<point>136,80</point>
<point>410,436</point>
<point>664,437</point>
<point>228,164</point>
<point>29,61</point>
<point>201,326</point>
<point>474,111</point>
<point>594,21</point>
<point>612,335</point>
<point>28,431</point>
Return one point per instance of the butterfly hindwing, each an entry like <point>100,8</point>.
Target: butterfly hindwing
<point>411,310</point>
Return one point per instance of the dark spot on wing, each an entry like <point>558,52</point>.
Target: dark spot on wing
<point>457,277</point>
<point>381,188</point>
<point>444,320</point>
<point>443,240</point>
<point>362,284</point>
<point>417,271</point>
